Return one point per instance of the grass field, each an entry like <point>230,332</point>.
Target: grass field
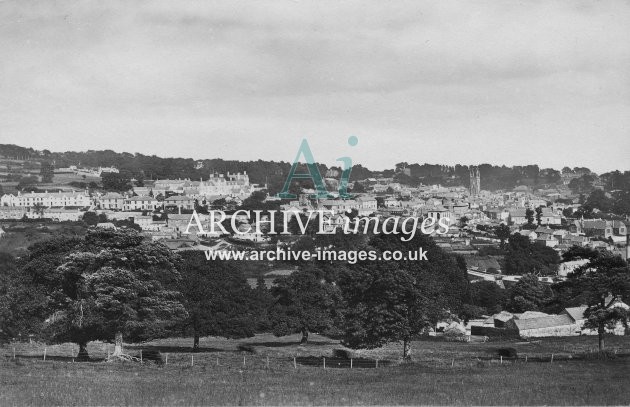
<point>441,373</point>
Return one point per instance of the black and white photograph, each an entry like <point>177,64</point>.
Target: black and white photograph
<point>301,202</point>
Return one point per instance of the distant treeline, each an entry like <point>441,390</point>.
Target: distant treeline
<point>272,173</point>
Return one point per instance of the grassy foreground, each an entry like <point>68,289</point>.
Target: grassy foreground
<point>443,373</point>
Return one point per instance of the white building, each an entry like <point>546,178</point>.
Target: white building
<point>111,201</point>
<point>46,199</point>
<point>140,203</point>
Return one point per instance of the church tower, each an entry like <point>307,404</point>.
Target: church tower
<point>475,181</point>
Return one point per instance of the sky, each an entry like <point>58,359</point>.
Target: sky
<point>469,82</point>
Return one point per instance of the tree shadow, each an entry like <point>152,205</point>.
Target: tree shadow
<point>54,358</point>
<point>283,344</point>
<point>173,349</point>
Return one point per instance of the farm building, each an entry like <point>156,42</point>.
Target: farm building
<point>533,324</point>
<point>549,325</point>
<point>577,315</point>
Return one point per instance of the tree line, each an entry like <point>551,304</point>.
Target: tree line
<point>141,167</point>
<point>115,285</point>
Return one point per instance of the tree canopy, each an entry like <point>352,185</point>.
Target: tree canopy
<point>103,286</point>
<point>524,257</point>
<point>217,298</point>
<point>600,285</point>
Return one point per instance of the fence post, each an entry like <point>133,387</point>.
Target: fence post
<point>377,363</point>
<point>14,352</point>
<point>217,361</point>
<point>44,354</point>
<point>192,360</point>
<point>525,358</point>
<point>453,362</point>
<point>501,359</point>
<point>324,363</point>
<point>166,359</point>
<point>350,363</point>
<point>294,363</point>
<point>551,361</point>
<point>243,360</point>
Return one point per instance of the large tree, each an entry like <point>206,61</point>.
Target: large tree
<point>503,233</point>
<point>304,301</point>
<point>116,182</point>
<point>22,307</point>
<point>489,295</point>
<point>396,300</point>
<point>524,257</point>
<point>539,214</point>
<point>217,297</point>
<point>104,286</point>
<point>528,294</point>
<point>47,172</point>
<point>600,285</point>
<point>529,215</point>
<point>27,285</point>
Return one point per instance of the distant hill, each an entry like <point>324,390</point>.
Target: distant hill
<point>274,173</point>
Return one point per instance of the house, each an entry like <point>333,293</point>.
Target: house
<point>111,201</point>
<point>12,212</point>
<point>366,205</point>
<point>517,216</point>
<point>31,199</point>
<point>548,217</point>
<point>145,222</point>
<point>567,267</point>
<point>249,233</point>
<point>179,223</point>
<point>573,240</point>
<point>576,227</point>
<point>339,205</point>
<point>392,203</point>
<point>180,202</point>
<point>438,212</point>
<point>140,191</point>
<point>619,228</point>
<point>140,203</point>
<point>63,214</point>
<point>499,214</point>
<point>597,228</point>
<point>547,239</point>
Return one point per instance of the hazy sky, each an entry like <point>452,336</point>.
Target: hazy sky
<point>505,82</point>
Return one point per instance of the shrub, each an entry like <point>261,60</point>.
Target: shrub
<point>507,352</point>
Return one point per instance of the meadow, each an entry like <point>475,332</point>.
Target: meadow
<point>261,371</point>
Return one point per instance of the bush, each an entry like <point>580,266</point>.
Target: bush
<point>246,348</point>
<point>152,355</point>
<point>507,352</point>
<point>342,354</point>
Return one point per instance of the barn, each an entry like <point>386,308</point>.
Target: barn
<point>550,325</point>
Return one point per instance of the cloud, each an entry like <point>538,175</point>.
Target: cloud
<point>426,74</point>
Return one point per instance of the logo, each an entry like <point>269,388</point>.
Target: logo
<point>314,175</point>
